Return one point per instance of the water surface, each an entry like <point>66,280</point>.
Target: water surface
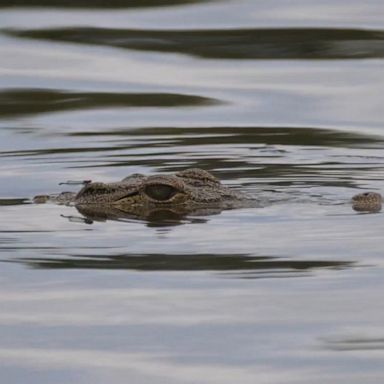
<point>280,100</point>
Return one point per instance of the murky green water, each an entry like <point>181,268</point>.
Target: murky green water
<point>281,99</point>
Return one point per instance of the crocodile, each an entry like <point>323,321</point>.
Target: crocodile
<point>191,191</point>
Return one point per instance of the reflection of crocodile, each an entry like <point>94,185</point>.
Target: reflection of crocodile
<point>190,191</point>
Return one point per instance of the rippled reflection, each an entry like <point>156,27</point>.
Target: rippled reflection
<point>161,217</point>
<point>356,343</point>
<point>240,266</point>
<point>281,43</point>
<point>15,102</point>
<point>285,136</point>
<point>14,201</point>
<point>277,156</point>
<point>155,218</point>
<point>98,3</point>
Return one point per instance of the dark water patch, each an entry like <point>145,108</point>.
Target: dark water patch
<point>56,151</point>
<point>25,101</point>
<point>26,231</point>
<point>45,249</point>
<point>14,201</point>
<point>186,262</point>
<point>268,43</point>
<point>355,344</point>
<point>188,136</point>
<point>27,247</point>
<point>97,3</point>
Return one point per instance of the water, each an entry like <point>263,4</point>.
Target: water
<point>280,99</point>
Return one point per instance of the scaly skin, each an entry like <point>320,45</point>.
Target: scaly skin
<point>367,202</point>
<point>190,191</point>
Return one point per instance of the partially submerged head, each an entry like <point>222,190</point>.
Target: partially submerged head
<point>192,186</point>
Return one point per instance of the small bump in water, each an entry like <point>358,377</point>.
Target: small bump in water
<point>367,202</point>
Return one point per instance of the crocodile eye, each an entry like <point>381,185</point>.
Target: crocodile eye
<point>160,192</point>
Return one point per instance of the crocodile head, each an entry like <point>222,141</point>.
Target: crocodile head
<point>191,187</point>
<point>190,191</point>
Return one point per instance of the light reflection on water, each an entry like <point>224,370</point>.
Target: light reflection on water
<point>282,101</point>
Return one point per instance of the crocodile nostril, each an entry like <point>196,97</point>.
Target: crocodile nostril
<point>160,192</point>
